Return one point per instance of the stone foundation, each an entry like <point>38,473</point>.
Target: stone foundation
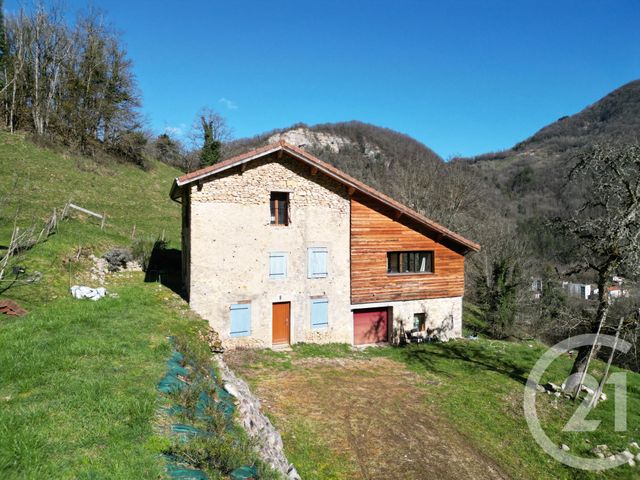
<point>443,316</point>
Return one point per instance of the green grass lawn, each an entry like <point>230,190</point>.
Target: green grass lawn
<point>77,378</point>
<point>478,387</point>
<point>77,384</point>
<point>482,393</point>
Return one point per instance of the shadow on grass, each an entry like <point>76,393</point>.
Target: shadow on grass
<point>165,267</point>
<point>478,356</point>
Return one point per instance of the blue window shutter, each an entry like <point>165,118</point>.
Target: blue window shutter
<point>241,320</point>
<point>318,262</point>
<point>319,313</point>
<point>277,265</point>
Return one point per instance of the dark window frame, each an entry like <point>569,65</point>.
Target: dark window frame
<point>279,204</point>
<point>405,262</point>
<point>421,319</point>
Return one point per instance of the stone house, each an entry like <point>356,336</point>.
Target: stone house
<point>280,247</point>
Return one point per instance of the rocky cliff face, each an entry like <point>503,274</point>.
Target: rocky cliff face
<point>303,137</point>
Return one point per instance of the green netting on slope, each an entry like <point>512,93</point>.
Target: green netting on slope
<point>226,408</point>
<point>219,399</point>
<point>222,393</point>
<point>176,369</point>
<point>244,473</point>
<point>174,410</point>
<point>204,402</point>
<point>176,469</point>
<point>171,384</point>
<point>186,431</point>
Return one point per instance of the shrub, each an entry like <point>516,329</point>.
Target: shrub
<point>118,258</point>
<point>129,146</point>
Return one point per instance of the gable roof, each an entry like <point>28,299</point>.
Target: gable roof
<point>353,184</point>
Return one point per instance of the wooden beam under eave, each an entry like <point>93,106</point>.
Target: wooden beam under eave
<point>397,215</point>
<point>351,191</point>
<point>314,170</point>
<point>280,154</point>
<point>199,184</point>
<point>243,167</point>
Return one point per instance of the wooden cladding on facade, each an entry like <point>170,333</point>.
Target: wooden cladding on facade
<point>377,230</point>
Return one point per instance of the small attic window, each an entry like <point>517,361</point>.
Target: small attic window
<point>279,205</point>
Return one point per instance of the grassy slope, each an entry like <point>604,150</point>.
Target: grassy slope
<point>35,180</point>
<point>77,383</point>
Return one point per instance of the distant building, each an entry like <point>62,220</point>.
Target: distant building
<point>536,287</point>
<point>580,290</point>
<point>616,291</point>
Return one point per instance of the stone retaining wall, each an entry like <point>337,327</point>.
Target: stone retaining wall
<point>256,423</point>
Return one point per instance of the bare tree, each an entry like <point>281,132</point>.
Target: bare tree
<point>48,49</point>
<point>73,83</point>
<point>605,227</point>
<point>15,61</point>
<point>499,277</point>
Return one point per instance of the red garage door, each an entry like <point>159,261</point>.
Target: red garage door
<point>370,326</point>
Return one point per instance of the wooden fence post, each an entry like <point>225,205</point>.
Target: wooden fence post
<point>104,219</point>
<point>133,232</point>
<point>598,392</point>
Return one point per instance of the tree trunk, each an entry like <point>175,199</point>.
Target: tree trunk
<point>581,363</point>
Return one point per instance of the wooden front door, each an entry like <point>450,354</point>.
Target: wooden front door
<point>280,320</point>
<point>370,326</point>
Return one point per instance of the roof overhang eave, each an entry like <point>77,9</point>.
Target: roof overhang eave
<point>176,190</point>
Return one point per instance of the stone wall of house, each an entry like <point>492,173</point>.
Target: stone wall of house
<point>443,316</point>
<point>231,237</point>
<point>254,186</point>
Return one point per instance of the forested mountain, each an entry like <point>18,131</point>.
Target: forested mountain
<point>515,191</point>
<point>531,175</point>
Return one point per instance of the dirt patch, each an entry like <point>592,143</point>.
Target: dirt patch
<point>374,411</point>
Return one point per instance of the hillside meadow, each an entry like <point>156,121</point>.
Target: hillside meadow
<point>77,384</point>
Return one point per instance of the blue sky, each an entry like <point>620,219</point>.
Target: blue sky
<point>463,77</point>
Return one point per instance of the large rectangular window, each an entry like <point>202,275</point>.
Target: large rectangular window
<point>279,204</point>
<point>240,320</point>
<point>410,262</point>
